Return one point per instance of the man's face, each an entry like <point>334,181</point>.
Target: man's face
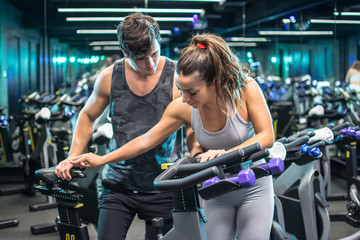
<point>148,64</point>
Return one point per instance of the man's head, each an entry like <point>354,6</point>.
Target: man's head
<point>136,35</point>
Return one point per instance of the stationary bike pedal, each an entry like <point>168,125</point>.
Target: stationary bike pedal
<point>43,228</point>
<point>352,206</point>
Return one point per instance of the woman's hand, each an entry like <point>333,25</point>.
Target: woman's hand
<point>206,156</point>
<point>87,160</point>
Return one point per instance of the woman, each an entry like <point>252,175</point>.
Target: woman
<point>227,111</point>
<point>353,76</point>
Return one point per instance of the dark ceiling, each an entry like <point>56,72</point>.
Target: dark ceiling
<point>229,18</point>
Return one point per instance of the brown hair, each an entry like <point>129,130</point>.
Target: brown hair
<point>211,57</point>
<point>137,33</point>
<point>356,65</point>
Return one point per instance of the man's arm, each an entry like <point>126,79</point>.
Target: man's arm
<point>176,115</point>
<point>83,131</point>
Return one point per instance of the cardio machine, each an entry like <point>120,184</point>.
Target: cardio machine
<point>89,187</point>
<point>183,176</point>
<point>300,188</point>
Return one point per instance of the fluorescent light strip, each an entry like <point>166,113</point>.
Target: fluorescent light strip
<point>126,10</point>
<point>296,33</point>
<point>113,19</point>
<point>111,48</point>
<point>326,21</point>
<point>248,39</point>
<point>101,43</point>
<point>350,13</point>
<point>188,0</point>
<point>241,44</point>
<point>98,48</point>
<point>111,31</point>
<point>95,31</point>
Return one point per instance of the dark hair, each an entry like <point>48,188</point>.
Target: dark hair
<point>211,57</point>
<point>137,33</point>
<point>356,65</point>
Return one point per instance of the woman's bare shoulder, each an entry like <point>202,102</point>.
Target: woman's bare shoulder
<point>179,109</point>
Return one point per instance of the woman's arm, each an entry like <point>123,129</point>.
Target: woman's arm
<point>192,143</point>
<point>175,115</point>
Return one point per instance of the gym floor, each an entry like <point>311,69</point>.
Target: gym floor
<point>17,206</point>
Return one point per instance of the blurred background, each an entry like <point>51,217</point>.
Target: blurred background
<point>47,44</point>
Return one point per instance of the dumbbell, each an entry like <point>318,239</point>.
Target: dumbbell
<point>315,152</point>
<point>275,166</point>
<point>245,178</point>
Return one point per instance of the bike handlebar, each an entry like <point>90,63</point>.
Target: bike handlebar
<point>198,172</point>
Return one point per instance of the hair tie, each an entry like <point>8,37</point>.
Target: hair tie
<point>199,45</point>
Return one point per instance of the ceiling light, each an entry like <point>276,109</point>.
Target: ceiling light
<point>118,19</point>
<point>111,48</point>
<point>241,44</point>
<point>127,10</point>
<point>191,0</point>
<point>111,31</point>
<point>165,32</point>
<point>95,31</point>
<point>296,33</point>
<point>98,48</point>
<point>100,43</point>
<point>350,13</point>
<point>334,21</point>
<point>248,39</point>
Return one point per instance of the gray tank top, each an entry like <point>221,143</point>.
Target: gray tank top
<point>134,115</point>
<point>234,132</point>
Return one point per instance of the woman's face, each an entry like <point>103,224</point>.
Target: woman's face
<point>194,90</point>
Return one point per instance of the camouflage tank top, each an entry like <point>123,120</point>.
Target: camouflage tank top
<point>134,115</point>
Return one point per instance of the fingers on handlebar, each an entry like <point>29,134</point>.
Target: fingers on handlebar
<point>63,170</point>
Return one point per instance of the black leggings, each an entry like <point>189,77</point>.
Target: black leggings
<point>118,209</point>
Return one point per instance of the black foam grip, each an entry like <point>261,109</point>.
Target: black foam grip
<point>340,126</point>
<point>171,184</point>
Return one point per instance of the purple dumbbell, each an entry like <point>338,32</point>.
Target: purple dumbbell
<point>211,181</point>
<point>357,135</point>
<point>275,166</point>
<point>343,131</point>
<point>351,131</point>
<point>245,178</point>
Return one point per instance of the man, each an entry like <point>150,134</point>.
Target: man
<point>138,89</point>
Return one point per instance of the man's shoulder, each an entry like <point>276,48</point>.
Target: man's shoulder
<point>171,61</point>
<point>107,71</point>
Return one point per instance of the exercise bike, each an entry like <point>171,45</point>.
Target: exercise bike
<point>300,188</point>
<point>183,176</point>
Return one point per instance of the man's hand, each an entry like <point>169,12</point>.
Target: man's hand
<point>62,170</point>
